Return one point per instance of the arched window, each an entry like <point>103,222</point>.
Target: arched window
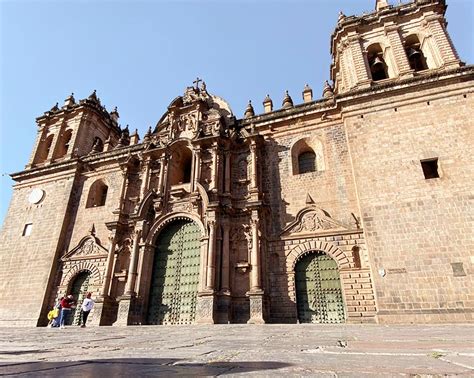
<point>97,194</point>
<point>377,65</point>
<point>64,144</point>
<point>181,162</point>
<point>415,55</point>
<point>98,145</point>
<point>307,156</point>
<point>307,162</point>
<point>44,149</point>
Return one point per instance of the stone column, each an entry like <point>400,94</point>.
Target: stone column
<point>225,258</point>
<point>255,257</point>
<point>125,315</point>
<point>211,262</point>
<point>227,172</point>
<point>123,188</point>
<point>162,173</point>
<point>197,167</point>
<point>145,178</point>
<point>100,315</point>
<point>401,60</point>
<point>214,168</point>
<point>256,293</point>
<point>132,271</point>
<point>206,298</point>
<point>253,156</point>
<point>104,292</point>
<point>223,309</point>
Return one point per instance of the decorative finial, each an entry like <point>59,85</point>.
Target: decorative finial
<point>147,135</point>
<point>327,90</point>
<point>249,112</point>
<point>55,108</point>
<point>307,94</point>
<point>69,101</point>
<point>287,101</point>
<point>381,4</point>
<point>92,230</point>
<point>93,96</point>
<point>267,104</point>
<point>341,17</point>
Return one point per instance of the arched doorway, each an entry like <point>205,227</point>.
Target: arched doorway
<point>79,289</point>
<point>175,275</point>
<point>318,289</point>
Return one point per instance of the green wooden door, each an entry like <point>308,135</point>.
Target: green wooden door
<point>318,290</point>
<point>78,290</point>
<point>175,276</point>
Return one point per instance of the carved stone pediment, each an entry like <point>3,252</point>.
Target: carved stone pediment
<point>195,114</point>
<point>88,247</point>
<point>312,220</point>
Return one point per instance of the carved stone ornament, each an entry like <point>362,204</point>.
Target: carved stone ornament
<point>88,247</point>
<point>312,220</point>
<point>195,114</point>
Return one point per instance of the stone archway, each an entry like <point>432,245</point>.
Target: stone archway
<point>78,288</point>
<point>175,274</point>
<point>319,297</point>
<point>340,263</point>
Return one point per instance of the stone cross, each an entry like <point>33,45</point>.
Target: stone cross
<point>197,81</point>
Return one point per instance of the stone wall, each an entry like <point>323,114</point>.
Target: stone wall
<point>27,262</point>
<point>418,231</point>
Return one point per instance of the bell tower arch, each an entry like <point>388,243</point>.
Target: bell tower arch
<point>392,43</point>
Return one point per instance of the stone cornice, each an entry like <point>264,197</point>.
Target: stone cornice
<point>81,105</point>
<point>69,164</point>
<point>325,105</point>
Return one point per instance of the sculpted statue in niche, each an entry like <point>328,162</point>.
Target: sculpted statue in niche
<point>241,242</point>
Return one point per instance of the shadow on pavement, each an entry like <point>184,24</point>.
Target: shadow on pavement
<point>135,367</point>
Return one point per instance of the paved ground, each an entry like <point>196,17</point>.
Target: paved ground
<point>264,350</point>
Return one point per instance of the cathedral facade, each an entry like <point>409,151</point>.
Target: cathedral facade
<point>355,207</point>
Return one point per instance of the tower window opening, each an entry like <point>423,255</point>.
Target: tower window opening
<point>64,144</point>
<point>44,149</point>
<point>430,168</point>
<point>378,66</point>
<point>415,55</point>
<point>98,145</point>
<point>97,194</point>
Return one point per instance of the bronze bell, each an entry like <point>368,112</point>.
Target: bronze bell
<point>377,63</point>
<point>413,53</point>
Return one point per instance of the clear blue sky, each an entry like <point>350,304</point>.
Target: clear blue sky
<point>140,55</point>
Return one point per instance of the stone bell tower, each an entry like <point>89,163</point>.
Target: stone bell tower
<point>73,130</point>
<point>390,44</point>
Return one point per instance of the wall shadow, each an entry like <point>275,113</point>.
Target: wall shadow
<point>134,367</point>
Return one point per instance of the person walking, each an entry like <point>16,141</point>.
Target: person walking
<point>66,307</point>
<point>87,306</point>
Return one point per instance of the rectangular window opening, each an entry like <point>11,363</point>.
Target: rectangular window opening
<point>27,229</point>
<point>430,168</point>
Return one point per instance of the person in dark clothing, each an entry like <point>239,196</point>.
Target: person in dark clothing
<point>67,304</point>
